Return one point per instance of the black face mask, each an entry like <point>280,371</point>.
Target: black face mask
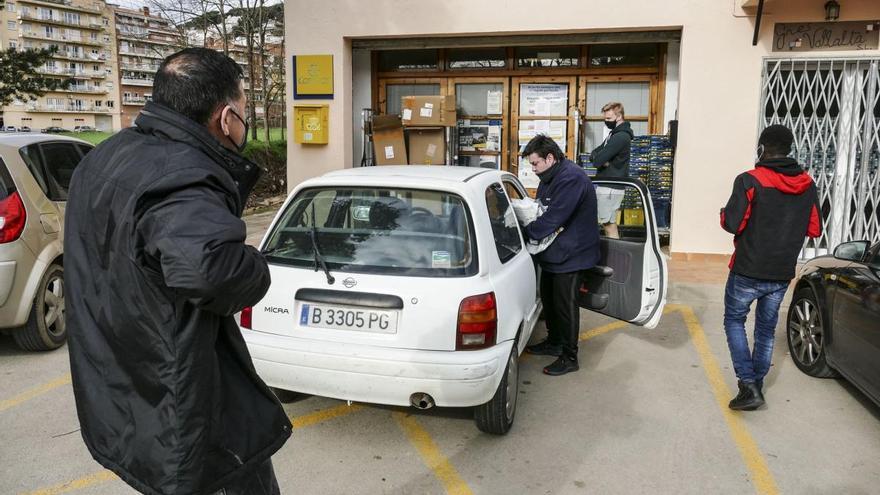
<point>611,124</point>
<point>239,147</point>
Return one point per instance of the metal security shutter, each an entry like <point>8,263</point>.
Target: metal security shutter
<point>833,108</point>
<point>516,40</point>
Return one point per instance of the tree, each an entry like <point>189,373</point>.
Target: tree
<point>19,79</point>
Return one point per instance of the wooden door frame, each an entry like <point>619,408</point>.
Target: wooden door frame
<point>381,98</point>
<point>656,97</point>
<point>515,82</point>
<point>505,105</point>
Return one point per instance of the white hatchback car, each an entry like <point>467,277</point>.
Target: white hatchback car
<point>411,286</point>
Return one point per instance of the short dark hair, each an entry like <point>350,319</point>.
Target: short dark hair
<point>543,146</point>
<point>195,81</point>
<point>777,140</point>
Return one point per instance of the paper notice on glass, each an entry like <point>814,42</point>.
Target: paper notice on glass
<point>542,127</point>
<point>528,178</point>
<point>493,140</point>
<point>493,103</point>
<point>543,100</point>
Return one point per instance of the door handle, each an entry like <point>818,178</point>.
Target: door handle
<point>649,289</point>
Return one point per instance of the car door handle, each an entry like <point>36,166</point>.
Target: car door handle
<point>649,289</point>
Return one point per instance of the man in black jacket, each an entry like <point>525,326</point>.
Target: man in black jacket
<point>570,199</point>
<point>165,389</point>
<point>772,208</point>
<point>611,158</point>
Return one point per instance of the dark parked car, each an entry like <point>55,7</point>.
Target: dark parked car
<point>54,130</point>
<point>834,318</point>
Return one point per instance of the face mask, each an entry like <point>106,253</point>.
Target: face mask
<point>611,124</point>
<point>239,147</point>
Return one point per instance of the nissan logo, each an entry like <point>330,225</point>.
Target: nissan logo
<point>349,283</point>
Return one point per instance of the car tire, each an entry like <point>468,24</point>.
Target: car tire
<point>46,327</point>
<point>286,396</point>
<point>496,416</point>
<point>807,334</point>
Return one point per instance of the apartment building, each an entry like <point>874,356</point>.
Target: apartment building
<point>83,33</point>
<point>143,40</point>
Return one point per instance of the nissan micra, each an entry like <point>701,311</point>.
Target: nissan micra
<point>412,286</point>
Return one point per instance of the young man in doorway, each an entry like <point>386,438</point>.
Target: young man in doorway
<point>611,158</point>
<point>772,208</point>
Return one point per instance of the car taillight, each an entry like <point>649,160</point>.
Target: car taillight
<point>246,318</point>
<point>12,218</point>
<point>477,322</point>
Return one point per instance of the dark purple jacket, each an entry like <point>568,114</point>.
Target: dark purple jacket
<point>570,199</point>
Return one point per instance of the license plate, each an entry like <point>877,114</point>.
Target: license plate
<point>347,318</point>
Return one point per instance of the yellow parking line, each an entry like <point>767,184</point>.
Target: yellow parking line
<point>761,476</point>
<point>30,394</point>
<point>324,415</point>
<point>84,482</point>
<point>431,455</point>
<point>104,476</point>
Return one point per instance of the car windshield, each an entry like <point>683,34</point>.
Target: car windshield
<point>376,230</point>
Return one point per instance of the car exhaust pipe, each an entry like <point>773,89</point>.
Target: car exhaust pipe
<point>421,400</point>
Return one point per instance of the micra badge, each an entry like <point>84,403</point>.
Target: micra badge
<point>349,283</point>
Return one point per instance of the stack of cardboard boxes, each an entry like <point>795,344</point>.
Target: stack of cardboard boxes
<point>418,136</point>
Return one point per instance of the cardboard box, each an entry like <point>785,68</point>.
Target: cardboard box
<point>428,111</point>
<point>389,146</point>
<point>427,146</point>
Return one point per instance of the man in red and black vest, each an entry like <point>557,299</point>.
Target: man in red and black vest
<point>772,208</point>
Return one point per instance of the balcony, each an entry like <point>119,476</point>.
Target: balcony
<point>144,53</point>
<point>43,108</point>
<point>57,71</point>
<point>66,5</point>
<point>61,38</point>
<point>59,22</point>
<point>136,82</point>
<point>78,88</point>
<point>134,101</point>
<point>88,57</point>
<point>148,68</point>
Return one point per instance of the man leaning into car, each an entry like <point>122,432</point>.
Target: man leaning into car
<point>772,208</point>
<point>155,253</point>
<point>570,201</point>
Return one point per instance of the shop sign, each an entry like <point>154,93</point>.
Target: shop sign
<point>826,36</point>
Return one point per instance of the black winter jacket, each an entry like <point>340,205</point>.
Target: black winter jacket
<point>156,265</point>
<point>570,199</point>
<point>772,208</point>
<point>611,158</point>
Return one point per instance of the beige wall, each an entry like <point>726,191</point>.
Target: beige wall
<point>719,76</point>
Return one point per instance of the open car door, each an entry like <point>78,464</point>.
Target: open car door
<point>630,283</point>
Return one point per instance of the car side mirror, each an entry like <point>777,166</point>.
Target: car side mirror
<point>852,251</point>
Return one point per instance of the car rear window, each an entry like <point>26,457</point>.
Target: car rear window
<point>7,187</point>
<point>377,230</point>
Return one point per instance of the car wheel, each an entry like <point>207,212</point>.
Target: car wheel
<point>496,416</point>
<point>46,327</point>
<point>807,335</point>
<point>286,396</point>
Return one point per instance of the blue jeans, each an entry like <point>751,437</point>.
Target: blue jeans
<point>751,366</point>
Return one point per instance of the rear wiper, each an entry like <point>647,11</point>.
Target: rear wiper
<point>319,259</point>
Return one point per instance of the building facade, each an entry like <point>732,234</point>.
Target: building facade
<point>83,33</point>
<point>690,63</point>
<point>143,40</point>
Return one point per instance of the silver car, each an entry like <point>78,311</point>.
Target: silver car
<point>35,172</point>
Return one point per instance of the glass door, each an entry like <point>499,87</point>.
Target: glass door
<point>540,105</point>
<point>482,106</point>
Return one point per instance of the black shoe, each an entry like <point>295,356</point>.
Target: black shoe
<point>544,348</point>
<point>748,399</point>
<point>561,366</point>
